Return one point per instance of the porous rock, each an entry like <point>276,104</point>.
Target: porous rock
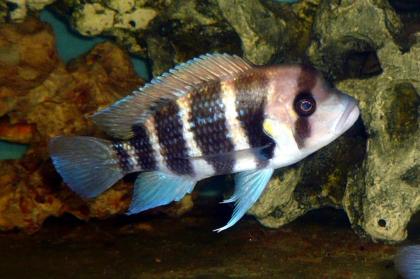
<point>169,32</point>
<point>27,55</point>
<point>17,10</point>
<point>262,33</point>
<point>389,177</point>
<point>126,21</point>
<point>185,29</point>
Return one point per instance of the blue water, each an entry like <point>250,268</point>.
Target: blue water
<point>70,45</point>
<point>11,151</point>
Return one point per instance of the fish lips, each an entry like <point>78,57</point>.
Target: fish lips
<point>348,117</point>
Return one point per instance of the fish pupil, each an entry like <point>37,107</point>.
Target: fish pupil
<point>304,104</point>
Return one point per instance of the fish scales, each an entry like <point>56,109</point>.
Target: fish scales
<point>209,126</point>
<point>144,150</point>
<point>137,153</point>
<point>150,126</point>
<point>125,160</point>
<point>171,139</point>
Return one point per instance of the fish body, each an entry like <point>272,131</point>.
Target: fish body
<point>200,133</point>
<point>213,115</point>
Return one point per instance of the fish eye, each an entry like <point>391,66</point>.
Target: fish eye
<point>304,104</point>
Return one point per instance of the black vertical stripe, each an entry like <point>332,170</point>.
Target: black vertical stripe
<point>251,99</point>
<point>302,131</point>
<point>143,147</point>
<point>307,78</point>
<point>171,139</point>
<point>122,155</point>
<point>306,82</point>
<point>209,127</point>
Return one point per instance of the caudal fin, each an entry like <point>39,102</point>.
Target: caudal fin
<point>407,262</point>
<point>86,164</point>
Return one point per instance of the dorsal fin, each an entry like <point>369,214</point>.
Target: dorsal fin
<point>118,119</point>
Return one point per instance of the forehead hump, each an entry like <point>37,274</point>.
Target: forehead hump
<point>289,81</point>
<point>286,82</point>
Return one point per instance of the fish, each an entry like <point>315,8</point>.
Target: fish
<point>212,115</point>
<point>407,262</point>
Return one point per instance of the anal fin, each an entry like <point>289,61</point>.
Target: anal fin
<point>249,186</point>
<point>153,189</point>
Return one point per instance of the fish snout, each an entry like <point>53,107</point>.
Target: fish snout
<point>349,116</point>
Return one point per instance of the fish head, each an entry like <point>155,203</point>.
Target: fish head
<point>304,113</point>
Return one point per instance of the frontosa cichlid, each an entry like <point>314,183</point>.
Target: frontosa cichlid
<point>215,114</point>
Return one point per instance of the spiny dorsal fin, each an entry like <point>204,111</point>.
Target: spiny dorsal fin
<point>118,119</point>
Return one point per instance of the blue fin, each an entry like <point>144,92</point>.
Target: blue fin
<point>248,188</point>
<point>407,262</point>
<point>153,189</point>
<point>86,164</point>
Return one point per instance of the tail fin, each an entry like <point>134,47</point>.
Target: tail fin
<point>88,165</point>
<point>407,262</point>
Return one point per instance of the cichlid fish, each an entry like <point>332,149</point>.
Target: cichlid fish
<point>215,114</point>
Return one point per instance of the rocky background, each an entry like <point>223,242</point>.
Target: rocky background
<point>369,49</point>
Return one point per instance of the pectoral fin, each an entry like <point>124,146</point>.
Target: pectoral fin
<point>248,188</point>
<point>153,189</point>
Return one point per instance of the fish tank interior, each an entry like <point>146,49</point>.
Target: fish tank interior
<point>344,211</point>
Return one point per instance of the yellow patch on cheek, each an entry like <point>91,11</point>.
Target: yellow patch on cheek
<point>275,129</point>
<point>280,118</point>
<point>293,114</point>
<point>282,134</point>
<point>268,127</point>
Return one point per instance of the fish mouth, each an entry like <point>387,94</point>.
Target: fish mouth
<point>349,116</point>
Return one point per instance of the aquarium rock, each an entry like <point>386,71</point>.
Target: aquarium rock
<point>389,178</point>
<point>381,194</point>
<point>93,19</point>
<point>27,57</point>
<point>17,10</point>
<point>261,31</point>
<point>126,21</point>
<point>346,28</point>
<point>263,34</point>
<point>269,31</point>
<point>58,103</point>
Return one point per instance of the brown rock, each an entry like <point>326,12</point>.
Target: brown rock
<point>27,54</point>
<point>56,100</point>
